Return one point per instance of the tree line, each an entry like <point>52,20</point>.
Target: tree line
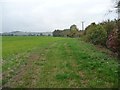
<point>105,34</point>
<point>73,32</point>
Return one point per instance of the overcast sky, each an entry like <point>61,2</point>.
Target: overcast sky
<point>48,15</point>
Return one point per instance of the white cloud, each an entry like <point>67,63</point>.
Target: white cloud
<point>0,19</point>
<point>47,15</point>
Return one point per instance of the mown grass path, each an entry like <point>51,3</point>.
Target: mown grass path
<point>65,63</point>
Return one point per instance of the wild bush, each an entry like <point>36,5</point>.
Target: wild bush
<point>96,34</point>
<point>112,42</point>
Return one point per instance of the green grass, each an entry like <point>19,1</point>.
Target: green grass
<point>15,45</point>
<point>56,62</point>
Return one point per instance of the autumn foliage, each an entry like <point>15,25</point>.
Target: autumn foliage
<point>112,42</point>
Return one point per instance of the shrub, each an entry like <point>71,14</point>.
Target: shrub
<point>112,42</point>
<point>96,34</point>
<point>109,26</point>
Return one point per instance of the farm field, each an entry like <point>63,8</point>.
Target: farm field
<point>52,62</point>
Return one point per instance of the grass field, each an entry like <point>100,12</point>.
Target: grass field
<point>41,62</point>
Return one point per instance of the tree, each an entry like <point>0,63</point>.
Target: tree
<point>73,28</point>
<point>41,34</point>
<point>73,31</point>
<point>57,33</point>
